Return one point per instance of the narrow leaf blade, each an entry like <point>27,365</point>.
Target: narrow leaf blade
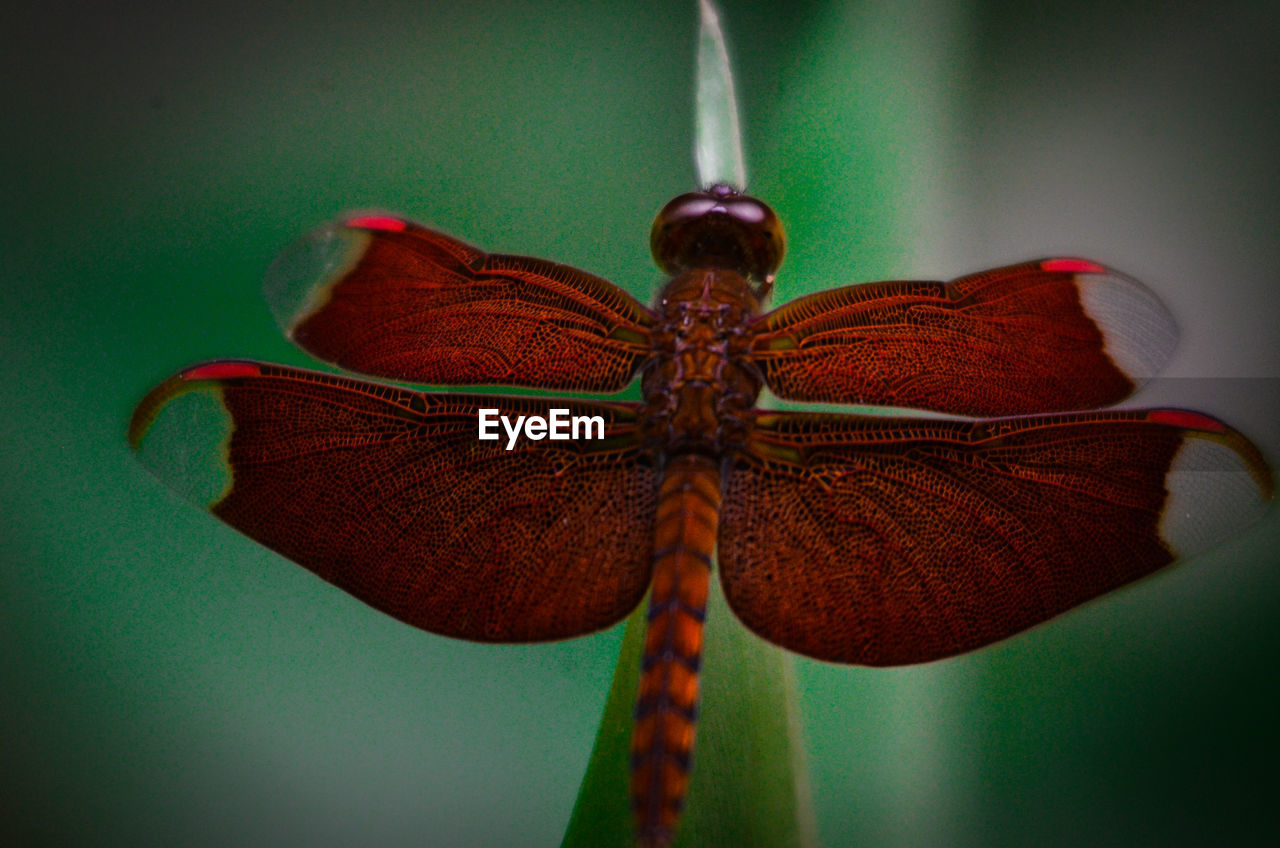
<point>718,136</point>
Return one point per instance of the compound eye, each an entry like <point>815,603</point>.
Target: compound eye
<point>718,228</point>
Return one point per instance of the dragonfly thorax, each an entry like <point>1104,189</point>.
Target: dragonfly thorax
<point>699,388</point>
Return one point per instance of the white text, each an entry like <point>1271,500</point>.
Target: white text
<point>559,426</point>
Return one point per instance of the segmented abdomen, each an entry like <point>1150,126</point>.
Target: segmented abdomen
<point>667,704</point>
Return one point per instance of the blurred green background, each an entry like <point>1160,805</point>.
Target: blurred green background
<point>167,682</point>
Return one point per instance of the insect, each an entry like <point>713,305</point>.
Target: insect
<point>858,539</point>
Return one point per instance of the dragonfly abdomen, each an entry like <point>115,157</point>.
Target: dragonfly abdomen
<point>667,703</point>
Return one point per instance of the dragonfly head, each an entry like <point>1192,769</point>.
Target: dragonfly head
<point>719,228</point>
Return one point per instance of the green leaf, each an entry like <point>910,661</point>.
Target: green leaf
<point>718,137</point>
<point>749,785</point>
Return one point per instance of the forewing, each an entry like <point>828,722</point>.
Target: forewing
<point>390,495</point>
<point>384,296</point>
<point>1046,336</point>
<point>884,541</point>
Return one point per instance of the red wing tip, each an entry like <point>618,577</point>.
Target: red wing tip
<point>222,371</point>
<point>1072,266</point>
<point>1189,420</point>
<point>386,223</point>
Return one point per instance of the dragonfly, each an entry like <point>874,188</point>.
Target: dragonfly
<point>880,540</point>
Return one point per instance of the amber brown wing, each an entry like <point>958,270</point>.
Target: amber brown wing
<point>884,541</point>
<point>384,296</point>
<point>390,495</point>
<point>1046,336</point>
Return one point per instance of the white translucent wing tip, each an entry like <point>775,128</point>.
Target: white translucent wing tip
<point>1138,332</point>
<point>1214,490</point>
<point>298,281</point>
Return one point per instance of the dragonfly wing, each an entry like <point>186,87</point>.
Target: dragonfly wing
<point>384,296</point>
<point>390,495</point>
<point>1046,336</point>
<point>884,541</point>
